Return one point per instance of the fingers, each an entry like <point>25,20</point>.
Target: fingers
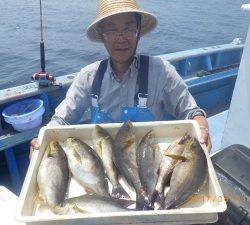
<point>205,139</point>
<point>33,146</point>
<point>209,144</point>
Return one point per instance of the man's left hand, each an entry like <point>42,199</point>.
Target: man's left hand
<point>205,137</point>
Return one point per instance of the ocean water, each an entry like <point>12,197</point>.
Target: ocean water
<point>182,25</point>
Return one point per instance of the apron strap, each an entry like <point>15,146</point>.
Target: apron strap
<point>97,82</point>
<point>142,80</point>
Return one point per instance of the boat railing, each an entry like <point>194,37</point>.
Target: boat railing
<point>204,61</point>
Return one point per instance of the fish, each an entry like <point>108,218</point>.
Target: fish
<point>53,175</point>
<point>188,177</point>
<point>125,159</point>
<point>90,204</point>
<point>104,146</point>
<point>169,160</point>
<point>86,166</point>
<point>149,160</point>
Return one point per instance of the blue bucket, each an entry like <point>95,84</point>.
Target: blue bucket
<point>24,115</point>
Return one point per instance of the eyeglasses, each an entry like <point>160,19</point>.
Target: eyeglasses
<point>114,35</point>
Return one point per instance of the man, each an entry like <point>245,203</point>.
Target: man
<point>127,86</point>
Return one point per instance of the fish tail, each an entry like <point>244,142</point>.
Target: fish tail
<point>41,204</point>
<point>167,205</point>
<point>158,197</point>
<point>60,209</point>
<point>68,208</point>
<point>143,203</point>
<point>119,192</point>
<point>170,204</point>
<point>42,208</point>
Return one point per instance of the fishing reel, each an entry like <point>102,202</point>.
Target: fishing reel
<point>43,79</point>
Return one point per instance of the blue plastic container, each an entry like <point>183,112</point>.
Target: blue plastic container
<point>24,115</point>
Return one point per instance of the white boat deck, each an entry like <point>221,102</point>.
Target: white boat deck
<point>217,125</point>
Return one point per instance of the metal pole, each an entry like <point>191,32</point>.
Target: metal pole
<point>42,52</point>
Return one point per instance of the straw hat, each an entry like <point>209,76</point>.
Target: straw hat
<point>108,8</point>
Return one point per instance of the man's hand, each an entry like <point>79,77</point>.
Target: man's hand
<point>33,146</point>
<point>205,137</point>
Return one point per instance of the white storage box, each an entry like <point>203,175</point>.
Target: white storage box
<point>203,210</point>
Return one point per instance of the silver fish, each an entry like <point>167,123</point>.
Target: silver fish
<point>90,204</point>
<point>188,176</point>
<point>86,166</point>
<point>149,159</point>
<point>125,158</point>
<point>167,166</point>
<point>104,145</point>
<point>53,175</point>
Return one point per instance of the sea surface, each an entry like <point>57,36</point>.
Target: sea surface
<point>182,25</point>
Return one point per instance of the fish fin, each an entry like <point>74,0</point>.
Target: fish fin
<point>168,149</point>
<point>155,148</point>
<point>124,202</point>
<point>137,152</point>
<point>88,190</point>
<point>78,209</point>
<point>150,132</point>
<point>99,148</point>
<point>176,157</point>
<point>184,138</point>
<point>127,145</point>
<point>76,156</point>
<point>40,202</point>
<point>68,208</point>
<point>191,143</point>
<point>48,151</point>
<point>61,209</point>
<point>38,199</point>
<point>119,192</point>
<point>158,197</point>
<point>158,171</point>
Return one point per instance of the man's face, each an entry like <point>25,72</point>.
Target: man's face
<point>120,36</point>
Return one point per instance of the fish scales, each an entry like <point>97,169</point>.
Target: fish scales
<point>149,159</point>
<point>104,146</point>
<point>53,175</point>
<point>188,176</point>
<point>86,166</point>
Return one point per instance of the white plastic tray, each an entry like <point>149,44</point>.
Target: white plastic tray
<point>8,202</point>
<point>203,210</point>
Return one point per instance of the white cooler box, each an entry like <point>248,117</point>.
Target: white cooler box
<point>204,209</point>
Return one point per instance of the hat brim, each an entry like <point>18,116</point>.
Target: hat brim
<point>148,23</point>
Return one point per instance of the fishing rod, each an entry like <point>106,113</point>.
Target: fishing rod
<point>42,53</point>
<point>43,78</point>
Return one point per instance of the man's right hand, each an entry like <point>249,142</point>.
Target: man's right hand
<point>33,146</point>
